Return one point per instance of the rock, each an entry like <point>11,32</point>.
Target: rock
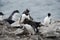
<point>3,26</point>
<point>18,31</point>
<point>52,31</point>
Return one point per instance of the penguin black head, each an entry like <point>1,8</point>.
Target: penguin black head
<point>49,14</point>
<point>1,13</point>
<point>26,12</point>
<point>16,11</point>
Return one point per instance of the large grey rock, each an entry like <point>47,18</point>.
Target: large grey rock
<point>52,30</point>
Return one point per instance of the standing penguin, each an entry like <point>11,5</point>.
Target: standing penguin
<point>47,20</point>
<point>28,22</point>
<point>1,16</point>
<point>26,15</point>
<point>13,17</point>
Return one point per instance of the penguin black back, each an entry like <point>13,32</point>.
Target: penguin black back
<point>26,21</point>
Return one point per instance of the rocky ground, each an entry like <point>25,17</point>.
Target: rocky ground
<point>46,33</point>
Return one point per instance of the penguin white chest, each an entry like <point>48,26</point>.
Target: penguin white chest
<point>24,17</point>
<point>15,17</point>
<point>46,21</point>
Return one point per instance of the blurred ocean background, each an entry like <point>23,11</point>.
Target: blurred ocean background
<point>38,8</point>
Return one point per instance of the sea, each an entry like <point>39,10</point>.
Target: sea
<point>38,8</point>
